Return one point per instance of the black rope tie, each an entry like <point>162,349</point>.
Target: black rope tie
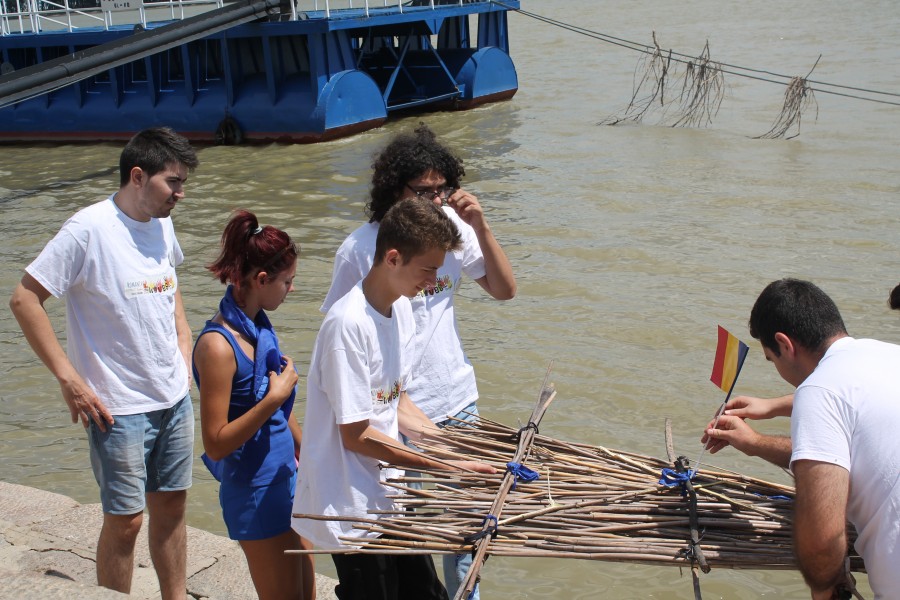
<point>517,435</point>
<point>694,553</point>
<point>492,531</point>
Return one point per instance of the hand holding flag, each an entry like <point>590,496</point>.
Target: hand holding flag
<point>730,355</point>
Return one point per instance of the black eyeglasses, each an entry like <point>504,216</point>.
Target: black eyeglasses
<point>443,193</point>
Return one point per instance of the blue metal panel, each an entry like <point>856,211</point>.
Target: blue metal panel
<point>189,76</point>
<point>349,97</point>
<point>80,90</point>
<point>45,99</point>
<point>270,68</point>
<point>487,72</point>
<point>228,74</point>
<point>492,31</point>
<point>454,33</point>
<point>152,87</point>
<point>393,77</point>
<point>318,65</point>
<point>115,85</point>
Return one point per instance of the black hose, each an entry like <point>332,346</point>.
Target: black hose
<point>65,70</point>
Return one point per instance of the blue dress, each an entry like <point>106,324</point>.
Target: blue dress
<point>257,479</point>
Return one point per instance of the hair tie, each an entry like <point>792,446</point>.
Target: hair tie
<point>257,230</point>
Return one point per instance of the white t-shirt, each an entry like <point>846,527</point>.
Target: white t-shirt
<point>118,279</point>
<point>847,413</point>
<point>360,363</point>
<point>443,378</point>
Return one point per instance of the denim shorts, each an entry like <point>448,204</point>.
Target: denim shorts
<point>468,414</point>
<point>257,513</point>
<point>146,452</point>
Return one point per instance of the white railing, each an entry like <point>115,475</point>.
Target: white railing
<point>37,16</point>
<point>326,5</point>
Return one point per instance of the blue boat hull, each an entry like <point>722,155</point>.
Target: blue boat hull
<point>304,80</point>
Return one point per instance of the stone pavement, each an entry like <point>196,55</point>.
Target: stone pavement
<point>48,544</point>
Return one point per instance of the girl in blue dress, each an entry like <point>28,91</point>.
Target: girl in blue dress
<point>247,388</point>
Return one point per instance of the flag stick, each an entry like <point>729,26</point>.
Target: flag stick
<point>718,415</point>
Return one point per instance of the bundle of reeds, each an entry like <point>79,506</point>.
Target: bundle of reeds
<point>589,502</point>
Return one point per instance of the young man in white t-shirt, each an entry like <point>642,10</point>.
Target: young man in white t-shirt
<point>125,371</point>
<point>844,449</point>
<point>357,405</point>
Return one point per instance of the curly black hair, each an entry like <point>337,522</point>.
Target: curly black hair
<point>406,157</point>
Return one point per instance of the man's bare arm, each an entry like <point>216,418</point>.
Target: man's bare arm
<point>183,330</point>
<point>820,524</point>
<point>735,432</point>
<point>27,305</point>
<point>499,280</point>
<point>748,407</point>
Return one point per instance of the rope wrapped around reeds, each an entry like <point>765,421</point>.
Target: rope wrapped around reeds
<point>590,502</point>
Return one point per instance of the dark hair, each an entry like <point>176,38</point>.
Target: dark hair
<point>248,249</point>
<point>406,157</point>
<point>152,150</point>
<point>413,227</point>
<point>797,309</point>
<point>894,299</point>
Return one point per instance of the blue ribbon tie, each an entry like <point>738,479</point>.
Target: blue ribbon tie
<point>671,478</point>
<point>521,473</point>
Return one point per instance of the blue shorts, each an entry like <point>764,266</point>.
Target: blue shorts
<point>257,513</point>
<point>146,452</point>
<point>468,414</point>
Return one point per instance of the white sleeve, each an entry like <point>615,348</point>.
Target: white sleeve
<point>473,258</point>
<point>821,426</point>
<point>344,371</point>
<point>346,274</point>
<point>59,264</point>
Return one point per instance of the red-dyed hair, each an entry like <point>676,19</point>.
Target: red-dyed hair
<point>248,249</point>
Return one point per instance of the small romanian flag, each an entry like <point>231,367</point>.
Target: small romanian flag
<point>730,355</point>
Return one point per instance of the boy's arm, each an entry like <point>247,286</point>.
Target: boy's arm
<point>412,421</point>
<point>364,439</point>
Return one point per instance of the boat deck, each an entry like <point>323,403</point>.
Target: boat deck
<point>47,17</point>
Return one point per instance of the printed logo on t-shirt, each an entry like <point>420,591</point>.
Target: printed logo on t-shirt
<point>153,285</point>
<point>443,284</point>
<point>379,396</point>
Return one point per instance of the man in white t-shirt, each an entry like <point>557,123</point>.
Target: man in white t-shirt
<point>357,405</point>
<point>416,165</point>
<point>844,449</point>
<point>124,373</point>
